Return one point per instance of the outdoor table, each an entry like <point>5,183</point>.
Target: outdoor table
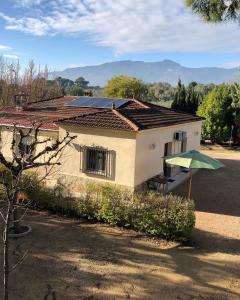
<point>161,181</point>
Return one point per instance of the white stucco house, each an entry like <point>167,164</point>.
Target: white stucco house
<point>120,141</point>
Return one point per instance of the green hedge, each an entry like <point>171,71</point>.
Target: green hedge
<point>170,216</point>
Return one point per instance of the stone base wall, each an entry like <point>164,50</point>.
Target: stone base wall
<point>75,185</point>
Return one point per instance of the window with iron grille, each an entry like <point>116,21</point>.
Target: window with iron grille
<point>98,161</point>
<point>24,147</point>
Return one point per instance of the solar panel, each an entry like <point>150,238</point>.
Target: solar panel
<point>97,102</point>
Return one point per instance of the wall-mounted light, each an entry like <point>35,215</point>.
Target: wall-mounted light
<point>152,146</point>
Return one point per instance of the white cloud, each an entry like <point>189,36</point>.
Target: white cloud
<point>127,26</point>
<point>76,65</point>
<point>27,3</point>
<point>10,56</point>
<point>230,64</point>
<point>4,47</point>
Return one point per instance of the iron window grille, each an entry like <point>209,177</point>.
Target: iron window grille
<point>24,147</point>
<point>98,161</point>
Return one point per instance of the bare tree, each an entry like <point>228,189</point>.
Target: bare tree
<point>25,156</point>
<point>33,81</point>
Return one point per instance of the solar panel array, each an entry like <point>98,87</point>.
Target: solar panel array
<point>97,102</point>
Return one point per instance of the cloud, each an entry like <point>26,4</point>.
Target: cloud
<point>10,56</point>
<point>230,64</point>
<point>27,3</point>
<point>127,26</point>
<point>4,47</point>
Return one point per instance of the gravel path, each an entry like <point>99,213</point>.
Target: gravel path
<point>217,199</point>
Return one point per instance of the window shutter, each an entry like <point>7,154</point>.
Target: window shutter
<point>83,158</point>
<point>110,168</point>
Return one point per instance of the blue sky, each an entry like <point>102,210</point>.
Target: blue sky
<point>68,33</point>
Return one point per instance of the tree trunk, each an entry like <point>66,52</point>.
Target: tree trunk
<point>16,221</point>
<point>16,215</point>
<point>6,253</point>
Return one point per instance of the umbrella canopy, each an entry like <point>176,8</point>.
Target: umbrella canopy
<point>193,160</point>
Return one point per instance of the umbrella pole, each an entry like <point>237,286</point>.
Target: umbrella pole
<point>190,184</point>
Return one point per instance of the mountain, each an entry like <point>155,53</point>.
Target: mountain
<point>164,71</point>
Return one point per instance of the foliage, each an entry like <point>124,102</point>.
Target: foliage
<point>70,87</point>
<point>125,87</point>
<point>160,92</point>
<point>235,94</point>
<point>179,102</point>
<point>168,216</point>
<point>75,91</point>
<point>81,82</point>
<point>192,98</point>
<point>75,88</point>
<point>204,89</point>
<point>64,83</point>
<point>35,83</point>
<point>186,98</point>
<point>218,112</point>
<point>216,10</point>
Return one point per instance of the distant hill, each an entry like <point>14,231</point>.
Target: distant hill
<point>164,71</point>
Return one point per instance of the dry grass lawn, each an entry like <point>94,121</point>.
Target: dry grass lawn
<point>72,259</point>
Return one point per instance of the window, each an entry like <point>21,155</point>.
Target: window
<point>98,161</point>
<point>24,147</point>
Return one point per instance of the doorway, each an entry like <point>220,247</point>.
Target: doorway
<point>184,145</point>
<point>167,151</point>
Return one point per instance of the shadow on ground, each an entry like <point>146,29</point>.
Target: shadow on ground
<point>73,260</point>
<point>216,191</point>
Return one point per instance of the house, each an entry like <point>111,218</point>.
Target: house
<point>120,141</point>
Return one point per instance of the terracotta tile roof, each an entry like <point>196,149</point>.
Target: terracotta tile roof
<point>132,116</point>
<point>155,117</point>
<point>47,112</point>
<point>106,118</point>
<point>26,120</point>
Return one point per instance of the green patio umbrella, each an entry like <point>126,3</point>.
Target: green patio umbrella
<point>193,160</point>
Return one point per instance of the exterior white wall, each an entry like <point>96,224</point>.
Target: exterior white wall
<point>138,155</point>
<point>123,143</point>
<point>150,148</point>
<point>7,136</point>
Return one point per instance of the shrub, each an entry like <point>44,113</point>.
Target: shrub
<point>170,216</point>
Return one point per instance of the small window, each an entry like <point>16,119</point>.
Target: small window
<point>24,147</point>
<point>97,160</point>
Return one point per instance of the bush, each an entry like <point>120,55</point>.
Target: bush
<point>170,216</point>
<point>218,110</point>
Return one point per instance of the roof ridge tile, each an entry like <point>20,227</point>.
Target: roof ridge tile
<point>124,118</point>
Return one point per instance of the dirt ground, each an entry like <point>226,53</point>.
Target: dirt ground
<point>72,259</point>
